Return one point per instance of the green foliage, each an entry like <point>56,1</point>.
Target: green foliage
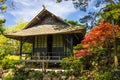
<point>2,20</point>
<point>112,12</point>
<point>52,73</point>
<point>5,47</point>
<point>9,63</point>
<point>78,47</point>
<point>66,63</point>
<point>16,27</point>
<point>71,64</point>
<point>3,8</point>
<point>36,75</point>
<point>84,77</point>
<point>103,76</point>
<point>22,74</point>
<point>74,23</point>
<point>8,78</point>
<point>67,73</point>
<point>9,46</point>
<point>2,29</point>
<point>95,75</point>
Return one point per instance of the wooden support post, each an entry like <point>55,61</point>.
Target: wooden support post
<point>21,44</point>
<point>72,45</point>
<point>43,63</point>
<point>33,47</point>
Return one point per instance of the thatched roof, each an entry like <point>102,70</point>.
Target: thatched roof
<point>39,18</point>
<point>46,30</point>
<point>45,23</point>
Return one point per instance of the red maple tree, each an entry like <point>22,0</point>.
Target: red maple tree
<point>99,35</point>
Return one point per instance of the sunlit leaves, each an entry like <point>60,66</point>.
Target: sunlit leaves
<point>2,20</point>
<point>16,27</point>
<point>3,8</point>
<point>112,12</point>
<point>2,1</point>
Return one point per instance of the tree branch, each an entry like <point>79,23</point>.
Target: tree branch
<point>112,2</point>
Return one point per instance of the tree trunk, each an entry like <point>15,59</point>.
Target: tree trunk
<point>115,47</point>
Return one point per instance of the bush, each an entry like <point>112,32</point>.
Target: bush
<point>67,73</point>
<point>20,73</point>
<point>35,75</point>
<point>23,74</point>
<point>78,47</point>
<point>9,63</point>
<point>103,76</point>
<point>8,78</point>
<point>71,64</point>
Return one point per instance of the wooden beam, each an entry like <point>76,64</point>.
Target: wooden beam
<point>52,61</point>
<point>37,18</point>
<point>76,37</point>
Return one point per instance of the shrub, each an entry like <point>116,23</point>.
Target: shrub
<point>9,63</point>
<point>20,73</point>
<point>78,47</point>
<point>71,64</point>
<point>103,76</point>
<point>67,73</point>
<point>8,78</point>
<point>23,74</point>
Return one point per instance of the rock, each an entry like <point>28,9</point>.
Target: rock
<point>59,72</point>
<point>46,77</point>
<point>72,77</point>
<point>8,73</point>
<point>63,77</point>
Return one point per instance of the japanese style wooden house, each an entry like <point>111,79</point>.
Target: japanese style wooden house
<point>51,37</point>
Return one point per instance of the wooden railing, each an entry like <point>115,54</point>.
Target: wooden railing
<point>37,57</point>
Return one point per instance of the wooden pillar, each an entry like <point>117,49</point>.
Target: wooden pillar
<point>21,44</point>
<point>71,44</point>
<point>67,45</point>
<point>33,47</point>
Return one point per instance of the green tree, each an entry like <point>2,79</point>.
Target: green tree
<point>92,15</point>
<point>10,46</point>
<point>74,23</point>
<point>15,43</point>
<point>3,8</point>
<point>112,12</point>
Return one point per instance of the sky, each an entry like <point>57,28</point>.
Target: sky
<point>25,10</point>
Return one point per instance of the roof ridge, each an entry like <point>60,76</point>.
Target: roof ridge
<point>42,11</point>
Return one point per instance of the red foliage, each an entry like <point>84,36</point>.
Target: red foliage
<point>82,53</point>
<point>97,35</point>
<point>100,33</point>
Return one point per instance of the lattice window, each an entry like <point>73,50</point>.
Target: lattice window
<point>40,42</point>
<point>57,41</point>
